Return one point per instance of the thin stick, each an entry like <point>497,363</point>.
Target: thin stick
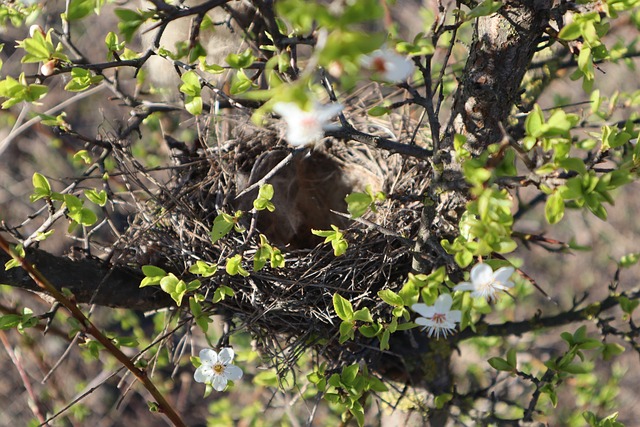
<point>33,400</point>
<point>271,173</point>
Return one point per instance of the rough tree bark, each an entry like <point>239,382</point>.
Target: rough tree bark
<point>90,281</point>
<point>499,56</point>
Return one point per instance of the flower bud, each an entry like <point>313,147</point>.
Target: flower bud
<point>48,68</point>
<point>34,28</point>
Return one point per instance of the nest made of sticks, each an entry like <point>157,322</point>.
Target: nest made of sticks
<point>287,309</point>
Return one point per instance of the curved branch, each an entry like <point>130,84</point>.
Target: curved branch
<point>89,280</point>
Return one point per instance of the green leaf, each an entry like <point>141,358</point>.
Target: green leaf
<point>234,266</point>
<point>223,292</point>
<point>349,374</point>
<point>153,275</point>
<point>500,364</point>
<point>78,9</point>
<point>241,60</point>
<point>611,350</point>
<point>346,331</point>
<point>97,197</point>
<point>363,315</point>
<point>10,321</point>
<point>442,399</point>
<point>391,298</point>
<point>358,204</point>
<point>81,80</point>
<point>342,307</point>
<point>77,212</point>
<point>222,225</point>
<point>486,8</point>
<point>628,305</point>
<point>82,155</point>
<point>41,187</point>
<point>570,31</point>
<point>175,287</point>
<point>378,111</point>
<point>130,21</point>
<point>203,268</point>
<point>263,201</point>
<point>554,207</point>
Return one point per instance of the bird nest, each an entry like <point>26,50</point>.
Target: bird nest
<point>289,309</point>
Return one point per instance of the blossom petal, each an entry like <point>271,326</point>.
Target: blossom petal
<point>208,356</point>
<point>502,276</point>
<point>424,322</point>
<point>219,382</point>
<point>481,273</point>
<point>423,309</point>
<point>327,112</point>
<point>443,303</point>
<point>226,355</point>
<point>203,374</point>
<point>286,109</point>
<point>232,372</point>
<point>464,286</point>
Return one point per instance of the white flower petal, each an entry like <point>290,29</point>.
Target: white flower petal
<point>423,309</point>
<point>424,322</point>
<point>324,113</point>
<point>226,355</point>
<point>203,374</point>
<point>232,372</point>
<point>443,303</point>
<point>502,276</point>
<point>219,382</point>
<point>464,286</point>
<point>208,356</point>
<point>481,273</point>
<point>286,109</point>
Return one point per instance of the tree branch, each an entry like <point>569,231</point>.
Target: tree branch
<point>502,49</point>
<point>89,280</point>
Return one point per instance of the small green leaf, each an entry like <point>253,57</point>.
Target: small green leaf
<point>363,315</point>
<point>391,298</point>
<point>500,364</point>
<point>175,287</point>
<point>554,207</point>
<point>222,225</point>
<point>78,9</point>
<point>234,266</point>
<point>97,197</point>
<point>442,399</point>
<point>342,307</point>
<point>203,268</point>
<point>570,31</point>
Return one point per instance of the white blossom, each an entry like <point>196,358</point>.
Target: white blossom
<point>438,318</point>
<point>391,66</point>
<point>216,368</point>
<point>306,127</point>
<point>485,282</point>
